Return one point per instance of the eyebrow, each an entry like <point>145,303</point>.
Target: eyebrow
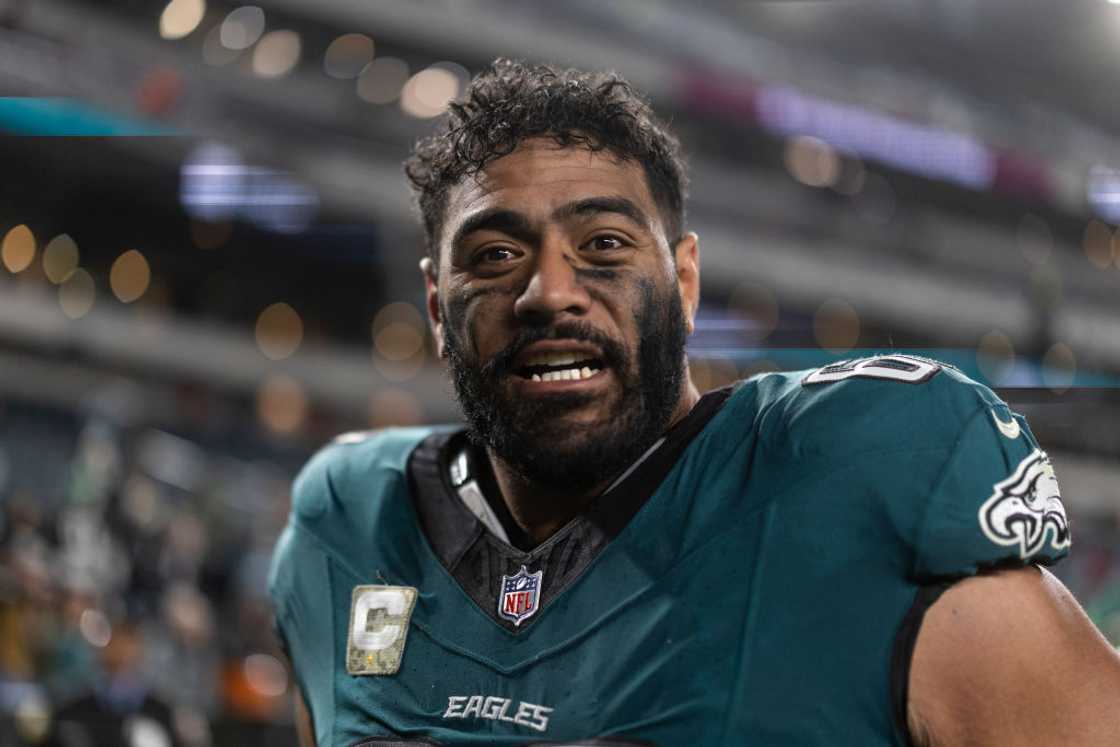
<point>594,205</point>
<point>518,225</point>
<point>495,219</point>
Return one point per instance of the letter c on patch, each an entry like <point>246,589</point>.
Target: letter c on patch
<point>393,602</point>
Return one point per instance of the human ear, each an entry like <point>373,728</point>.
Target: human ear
<point>687,256</point>
<point>431,290</point>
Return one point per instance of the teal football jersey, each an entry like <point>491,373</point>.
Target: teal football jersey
<point>758,579</point>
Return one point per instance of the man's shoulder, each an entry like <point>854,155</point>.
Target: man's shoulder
<point>353,467</point>
<point>864,405</point>
<point>915,445</point>
<point>351,496</point>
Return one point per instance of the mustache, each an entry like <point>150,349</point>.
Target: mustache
<point>614,354</point>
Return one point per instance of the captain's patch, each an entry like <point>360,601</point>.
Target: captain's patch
<point>379,618</point>
<point>1026,509</point>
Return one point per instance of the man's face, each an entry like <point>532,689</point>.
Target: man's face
<point>561,311</point>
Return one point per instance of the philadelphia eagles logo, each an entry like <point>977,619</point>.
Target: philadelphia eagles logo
<point>1026,508</point>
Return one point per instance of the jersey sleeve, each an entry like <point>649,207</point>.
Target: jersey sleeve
<point>996,501</point>
<point>932,463</point>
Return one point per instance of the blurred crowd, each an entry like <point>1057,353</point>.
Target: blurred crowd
<point>133,600</point>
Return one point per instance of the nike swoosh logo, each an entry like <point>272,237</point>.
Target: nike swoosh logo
<point>1011,429</point>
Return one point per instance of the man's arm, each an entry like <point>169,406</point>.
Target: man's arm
<point>1011,659</point>
<point>303,721</point>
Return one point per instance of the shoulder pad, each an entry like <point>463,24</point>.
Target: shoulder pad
<point>883,403</point>
<point>350,467</point>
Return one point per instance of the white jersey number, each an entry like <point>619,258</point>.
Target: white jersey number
<point>905,368</point>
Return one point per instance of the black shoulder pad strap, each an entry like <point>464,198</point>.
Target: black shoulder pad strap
<point>903,654</point>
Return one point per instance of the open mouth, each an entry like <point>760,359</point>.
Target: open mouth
<point>560,366</point>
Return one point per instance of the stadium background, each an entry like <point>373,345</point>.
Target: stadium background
<point>208,268</point>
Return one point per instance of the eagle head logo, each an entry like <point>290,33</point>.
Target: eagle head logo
<point>1026,508</point>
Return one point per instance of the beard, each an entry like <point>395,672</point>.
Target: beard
<point>533,436</point>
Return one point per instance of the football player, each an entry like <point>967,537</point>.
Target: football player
<point>602,555</point>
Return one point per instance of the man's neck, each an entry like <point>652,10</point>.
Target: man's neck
<point>539,509</point>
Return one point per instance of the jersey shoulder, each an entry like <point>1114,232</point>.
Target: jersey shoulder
<point>351,492</point>
<point>880,403</point>
<point>940,458</point>
<point>345,472</point>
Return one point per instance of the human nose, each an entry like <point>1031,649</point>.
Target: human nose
<point>554,287</point>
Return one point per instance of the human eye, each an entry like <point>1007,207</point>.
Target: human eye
<point>494,255</point>
<point>606,242</point>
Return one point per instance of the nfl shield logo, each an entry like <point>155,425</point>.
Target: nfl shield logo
<point>520,597</point>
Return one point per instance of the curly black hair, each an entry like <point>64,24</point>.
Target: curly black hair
<point>512,101</point>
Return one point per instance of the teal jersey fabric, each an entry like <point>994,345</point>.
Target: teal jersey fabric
<point>754,599</point>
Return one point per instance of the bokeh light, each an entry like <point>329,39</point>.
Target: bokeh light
<point>995,356</point>
<point>95,627</point>
<point>757,304</point>
<point>76,296</point>
<point>18,249</point>
<point>214,52</point>
<point>218,186</point>
<point>390,407</point>
<point>398,332</point>
<point>276,54</point>
<point>347,56</point>
<point>279,331</point>
<point>381,81</point>
<point>282,404</point>
<point>1099,245</point>
<point>180,18</point>
<point>427,93</point>
<point>32,717</point>
<point>1059,367</point>
<point>142,505</point>
<point>398,341</point>
<point>159,92</point>
<point>266,675</point>
<point>397,311</point>
<point>242,28</point>
<point>1035,239</point>
<point>836,326</point>
<point>812,162</point>
<point>60,258</point>
<point>130,276</point>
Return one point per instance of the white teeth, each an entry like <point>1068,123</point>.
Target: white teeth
<point>567,374</point>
